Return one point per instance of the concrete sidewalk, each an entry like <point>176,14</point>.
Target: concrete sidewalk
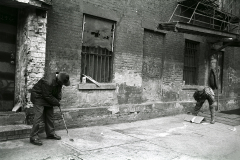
<point>166,138</point>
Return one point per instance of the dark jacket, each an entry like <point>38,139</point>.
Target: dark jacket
<point>199,96</point>
<point>213,79</point>
<point>205,94</point>
<point>47,92</point>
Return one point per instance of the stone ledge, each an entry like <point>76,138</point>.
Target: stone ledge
<point>190,87</point>
<point>91,86</point>
<point>12,118</point>
<point>84,117</point>
<point>11,132</point>
<point>152,25</point>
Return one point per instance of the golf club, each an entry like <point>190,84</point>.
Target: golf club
<point>70,139</point>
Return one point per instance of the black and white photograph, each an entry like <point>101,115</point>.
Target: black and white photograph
<point>119,79</point>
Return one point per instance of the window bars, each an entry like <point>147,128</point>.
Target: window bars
<point>190,63</point>
<point>97,63</point>
<point>97,48</point>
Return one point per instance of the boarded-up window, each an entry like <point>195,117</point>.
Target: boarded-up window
<point>97,48</point>
<point>190,63</point>
<point>153,49</point>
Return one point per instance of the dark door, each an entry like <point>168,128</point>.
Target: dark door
<point>8,31</point>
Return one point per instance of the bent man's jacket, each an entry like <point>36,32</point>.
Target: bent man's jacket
<point>206,93</point>
<point>46,92</point>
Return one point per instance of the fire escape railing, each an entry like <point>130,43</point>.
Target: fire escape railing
<point>206,16</point>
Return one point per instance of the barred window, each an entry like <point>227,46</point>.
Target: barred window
<point>97,48</point>
<point>190,62</point>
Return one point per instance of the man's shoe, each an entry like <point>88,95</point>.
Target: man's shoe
<point>54,136</point>
<point>212,121</point>
<point>35,141</point>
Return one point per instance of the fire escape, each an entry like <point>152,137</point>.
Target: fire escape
<point>206,18</point>
<point>210,18</point>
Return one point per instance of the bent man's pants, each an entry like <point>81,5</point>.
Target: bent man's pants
<point>198,106</point>
<point>43,115</point>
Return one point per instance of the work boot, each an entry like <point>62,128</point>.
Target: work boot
<point>35,141</point>
<point>54,136</point>
<point>212,110</point>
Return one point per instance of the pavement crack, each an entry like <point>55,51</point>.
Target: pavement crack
<point>81,152</point>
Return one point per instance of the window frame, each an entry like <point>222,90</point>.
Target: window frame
<point>100,53</point>
<point>190,68</point>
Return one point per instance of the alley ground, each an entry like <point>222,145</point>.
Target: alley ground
<point>166,138</point>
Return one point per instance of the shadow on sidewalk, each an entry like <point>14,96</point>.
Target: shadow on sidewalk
<point>234,111</point>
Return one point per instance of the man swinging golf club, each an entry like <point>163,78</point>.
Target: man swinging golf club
<point>45,94</point>
<point>202,94</point>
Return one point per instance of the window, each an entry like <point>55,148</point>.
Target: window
<point>97,48</point>
<point>190,63</point>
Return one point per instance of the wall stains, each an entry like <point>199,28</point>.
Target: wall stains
<point>152,69</point>
<point>30,53</point>
<point>129,94</point>
<point>61,65</point>
<point>173,72</point>
<point>233,76</point>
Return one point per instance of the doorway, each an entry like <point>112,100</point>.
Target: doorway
<point>8,34</point>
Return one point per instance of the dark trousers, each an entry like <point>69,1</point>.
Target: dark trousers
<point>198,106</point>
<point>43,119</point>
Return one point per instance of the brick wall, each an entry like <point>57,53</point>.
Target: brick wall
<point>141,73</point>
<point>30,53</point>
<point>173,66</point>
<point>64,46</point>
<point>21,57</point>
<point>37,48</point>
<point>153,53</point>
<point>230,97</point>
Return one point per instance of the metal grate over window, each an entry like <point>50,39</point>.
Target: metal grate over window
<point>97,63</point>
<point>97,48</point>
<point>190,63</point>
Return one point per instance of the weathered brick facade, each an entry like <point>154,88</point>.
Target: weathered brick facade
<point>147,65</point>
<point>31,53</point>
